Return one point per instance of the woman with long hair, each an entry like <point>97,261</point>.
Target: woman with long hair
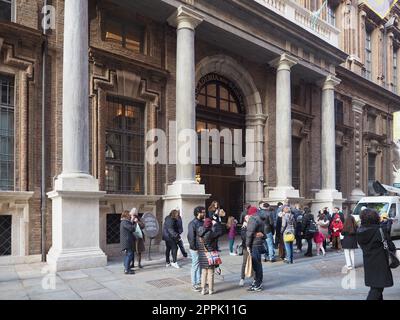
<point>349,242</point>
<point>213,209</point>
<point>171,237</point>
<point>377,272</point>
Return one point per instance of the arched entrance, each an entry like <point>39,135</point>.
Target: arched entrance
<point>220,106</point>
<point>254,116</point>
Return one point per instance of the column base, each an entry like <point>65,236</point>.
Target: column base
<point>75,224</point>
<point>327,198</point>
<point>75,259</point>
<point>185,196</point>
<point>283,194</point>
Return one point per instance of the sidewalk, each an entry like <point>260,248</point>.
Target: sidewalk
<point>317,278</point>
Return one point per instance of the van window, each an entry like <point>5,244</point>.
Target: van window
<point>392,211</point>
<point>380,207</point>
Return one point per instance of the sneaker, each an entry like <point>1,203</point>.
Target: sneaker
<point>241,283</point>
<point>211,292</point>
<point>196,288</point>
<point>349,268</point>
<point>265,260</point>
<point>272,260</point>
<point>256,288</point>
<point>129,272</point>
<point>203,292</point>
<point>232,254</point>
<point>175,265</point>
<point>185,255</point>
<point>168,265</point>
<point>140,266</point>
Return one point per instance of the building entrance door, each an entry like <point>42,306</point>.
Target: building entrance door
<point>220,106</point>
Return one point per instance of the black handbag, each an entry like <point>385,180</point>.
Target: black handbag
<point>239,249</point>
<point>393,261</point>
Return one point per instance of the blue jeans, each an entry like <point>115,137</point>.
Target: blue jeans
<point>269,243</point>
<point>231,243</point>
<point>128,259</point>
<point>289,251</point>
<point>257,265</point>
<point>195,270</point>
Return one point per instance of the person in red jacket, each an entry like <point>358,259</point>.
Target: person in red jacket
<point>336,227</point>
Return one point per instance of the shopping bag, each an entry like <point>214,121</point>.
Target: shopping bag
<point>248,272</point>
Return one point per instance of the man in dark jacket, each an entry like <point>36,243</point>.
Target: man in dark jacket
<point>377,272</point>
<point>268,212</point>
<point>278,224</point>
<point>193,238</point>
<point>255,239</point>
<point>127,227</point>
<point>298,215</point>
<point>307,231</point>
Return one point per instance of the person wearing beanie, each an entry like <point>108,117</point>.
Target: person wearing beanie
<point>252,211</point>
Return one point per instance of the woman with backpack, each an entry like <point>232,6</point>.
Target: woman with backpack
<point>231,226</point>
<point>349,242</point>
<point>288,233</point>
<point>209,235</point>
<point>309,229</point>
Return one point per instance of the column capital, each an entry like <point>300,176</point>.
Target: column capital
<point>185,18</point>
<point>329,83</point>
<point>284,62</point>
<point>357,105</point>
<point>256,119</point>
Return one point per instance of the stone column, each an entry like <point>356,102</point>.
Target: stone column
<point>357,108</point>
<point>328,196</point>
<point>75,198</point>
<point>185,193</point>
<point>284,189</point>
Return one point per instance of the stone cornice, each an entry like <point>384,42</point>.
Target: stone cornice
<point>369,87</point>
<point>11,30</point>
<point>357,105</point>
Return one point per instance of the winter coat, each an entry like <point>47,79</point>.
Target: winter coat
<point>350,237</point>
<point>208,242</point>
<point>232,231</point>
<point>269,220</point>
<point>256,224</point>
<point>126,229</point>
<point>323,227</point>
<point>307,218</point>
<point>170,230</point>
<point>179,225</point>
<point>319,237</point>
<point>139,243</point>
<point>192,236</point>
<point>376,266</point>
<point>336,226</point>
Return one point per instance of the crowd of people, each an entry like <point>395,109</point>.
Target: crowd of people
<point>273,232</point>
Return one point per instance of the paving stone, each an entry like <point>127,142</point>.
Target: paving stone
<point>67,294</point>
<point>82,285</point>
<point>71,275</point>
<point>100,294</point>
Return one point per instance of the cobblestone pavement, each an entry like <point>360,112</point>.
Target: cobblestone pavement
<point>316,278</point>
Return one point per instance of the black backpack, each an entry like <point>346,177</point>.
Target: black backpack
<point>312,227</point>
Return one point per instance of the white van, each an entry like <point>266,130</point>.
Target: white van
<point>382,204</point>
